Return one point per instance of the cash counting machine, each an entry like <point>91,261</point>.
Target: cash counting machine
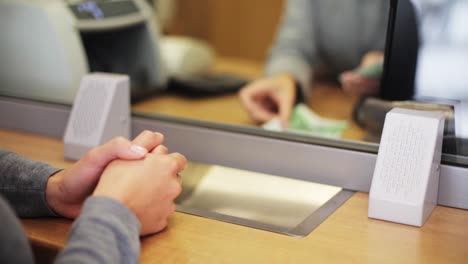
<point>47,46</point>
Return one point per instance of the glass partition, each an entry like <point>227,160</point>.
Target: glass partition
<point>210,50</point>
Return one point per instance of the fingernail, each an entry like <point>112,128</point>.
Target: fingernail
<point>138,150</point>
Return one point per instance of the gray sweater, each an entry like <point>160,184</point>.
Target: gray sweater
<point>333,34</point>
<point>105,232</point>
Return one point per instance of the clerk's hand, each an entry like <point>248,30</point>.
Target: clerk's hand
<point>148,187</point>
<point>269,97</point>
<point>356,84</point>
<point>67,190</point>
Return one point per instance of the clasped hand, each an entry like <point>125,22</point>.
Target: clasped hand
<point>141,174</point>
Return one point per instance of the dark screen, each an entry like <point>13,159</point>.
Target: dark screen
<point>100,9</point>
<point>401,52</point>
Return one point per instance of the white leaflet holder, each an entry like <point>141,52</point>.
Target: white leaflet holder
<point>100,112</point>
<point>405,184</point>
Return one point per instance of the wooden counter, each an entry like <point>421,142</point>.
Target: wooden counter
<point>347,236</point>
<point>326,100</point>
<point>225,108</point>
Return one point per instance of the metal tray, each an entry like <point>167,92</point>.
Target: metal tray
<point>273,203</point>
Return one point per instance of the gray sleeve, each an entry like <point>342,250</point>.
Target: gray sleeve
<point>105,232</point>
<point>14,245</point>
<point>23,183</point>
<point>295,50</point>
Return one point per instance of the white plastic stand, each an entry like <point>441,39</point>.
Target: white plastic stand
<point>406,177</point>
<point>101,111</point>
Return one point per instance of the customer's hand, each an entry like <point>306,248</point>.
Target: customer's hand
<point>356,84</point>
<point>267,98</point>
<point>148,187</point>
<point>67,190</point>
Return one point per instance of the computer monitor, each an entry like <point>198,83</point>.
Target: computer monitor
<point>426,51</point>
<point>401,52</point>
